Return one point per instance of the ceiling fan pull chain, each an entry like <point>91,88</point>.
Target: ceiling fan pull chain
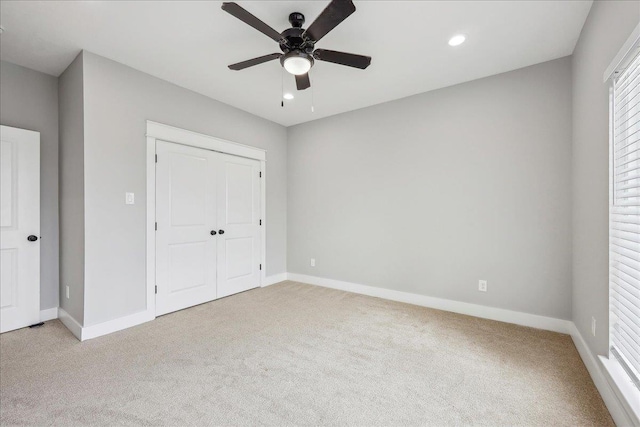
<point>312,110</point>
<point>282,90</point>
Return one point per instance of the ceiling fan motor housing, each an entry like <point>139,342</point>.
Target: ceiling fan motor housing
<point>294,39</point>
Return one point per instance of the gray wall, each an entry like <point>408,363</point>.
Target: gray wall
<point>29,100</point>
<point>431,193</point>
<point>72,223</point>
<point>608,26</point>
<point>118,100</point>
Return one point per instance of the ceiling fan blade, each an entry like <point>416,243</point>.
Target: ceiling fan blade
<point>303,82</point>
<point>246,17</point>
<point>336,12</point>
<point>255,61</point>
<point>342,58</point>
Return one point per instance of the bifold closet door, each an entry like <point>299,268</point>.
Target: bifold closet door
<point>239,217</point>
<point>186,220</point>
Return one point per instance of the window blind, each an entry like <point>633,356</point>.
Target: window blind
<point>624,254</point>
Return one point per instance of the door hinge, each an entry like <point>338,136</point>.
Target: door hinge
<point>260,222</point>
<point>156,226</point>
<point>156,289</point>
<point>260,266</point>
<point>156,158</point>
<point>260,174</point>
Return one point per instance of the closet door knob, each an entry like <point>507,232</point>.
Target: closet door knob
<point>221,231</point>
<point>213,232</point>
<point>32,238</point>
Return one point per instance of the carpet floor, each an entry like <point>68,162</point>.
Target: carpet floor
<point>295,354</point>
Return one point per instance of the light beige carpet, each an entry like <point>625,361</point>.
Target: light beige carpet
<point>294,354</point>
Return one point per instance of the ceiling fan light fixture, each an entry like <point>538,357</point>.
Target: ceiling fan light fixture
<point>297,62</point>
<point>288,96</point>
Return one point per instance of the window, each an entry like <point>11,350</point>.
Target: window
<point>624,253</point>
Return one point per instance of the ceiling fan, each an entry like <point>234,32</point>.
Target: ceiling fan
<point>297,44</point>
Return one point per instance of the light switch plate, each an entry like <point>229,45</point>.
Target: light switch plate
<point>130,198</point>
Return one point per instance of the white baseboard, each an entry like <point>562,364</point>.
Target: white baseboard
<point>94,331</point>
<point>71,323</point>
<point>611,399</point>
<point>492,313</point>
<point>274,278</point>
<point>100,329</point>
<point>48,314</point>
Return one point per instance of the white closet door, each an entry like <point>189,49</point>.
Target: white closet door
<point>186,197</point>
<point>19,228</point>
<point>239,218</point>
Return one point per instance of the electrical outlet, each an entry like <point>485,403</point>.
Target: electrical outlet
<point>593,326</point>
<point>482,286</point>
<point>67,289</point>
<point>313,262</point>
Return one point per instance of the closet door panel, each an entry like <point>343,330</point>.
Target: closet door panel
<point>239,219</point>
<point>186,197</point>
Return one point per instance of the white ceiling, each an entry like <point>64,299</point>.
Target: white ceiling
<point>190,43</point>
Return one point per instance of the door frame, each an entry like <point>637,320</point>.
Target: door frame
<point>158,131</point>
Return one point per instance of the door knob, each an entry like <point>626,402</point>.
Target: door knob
<point>32,238</point>
<point>213,232</point>
<point>221,231</point>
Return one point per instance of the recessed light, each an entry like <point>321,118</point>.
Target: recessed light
<point>287,96</point>
<point>457,40</point>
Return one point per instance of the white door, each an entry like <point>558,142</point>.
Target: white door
<point>186,197</point>
<point>239,218</point>
<point>19,228</point>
